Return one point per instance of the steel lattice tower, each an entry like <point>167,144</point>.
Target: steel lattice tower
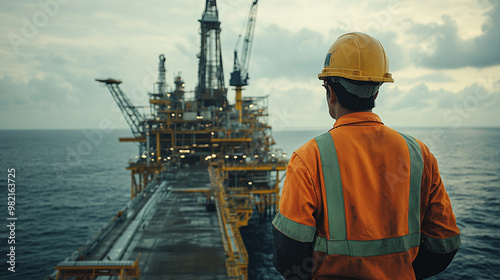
<point>211,90</point>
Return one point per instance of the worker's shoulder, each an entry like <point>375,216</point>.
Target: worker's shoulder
<point>308,152</point>
<point>426,153</point>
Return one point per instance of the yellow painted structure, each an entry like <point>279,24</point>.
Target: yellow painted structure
<point>81,270</point>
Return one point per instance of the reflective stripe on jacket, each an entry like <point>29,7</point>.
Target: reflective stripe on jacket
<point>366,196</point>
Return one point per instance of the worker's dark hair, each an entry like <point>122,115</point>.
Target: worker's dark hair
<point>351,101</point>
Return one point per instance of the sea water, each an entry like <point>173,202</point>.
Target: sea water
<point>69,184</point>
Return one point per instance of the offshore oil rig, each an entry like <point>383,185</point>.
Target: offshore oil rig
<point>204,167</point>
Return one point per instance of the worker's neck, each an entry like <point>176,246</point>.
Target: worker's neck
<point>341,111</point>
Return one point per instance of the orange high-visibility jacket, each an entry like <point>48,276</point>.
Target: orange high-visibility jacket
<point>367,197</point>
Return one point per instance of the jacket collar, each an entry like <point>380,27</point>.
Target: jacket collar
<point>358,118</point>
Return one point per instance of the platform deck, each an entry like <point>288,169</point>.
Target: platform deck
<point>181,240</point>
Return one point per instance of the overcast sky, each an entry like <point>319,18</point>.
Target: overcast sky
<point>444,57</point>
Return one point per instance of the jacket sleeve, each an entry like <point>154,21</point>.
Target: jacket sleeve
<point>295,224</point>
<point>440,235</point>
<point>428,264</point>
<point>291,257</point>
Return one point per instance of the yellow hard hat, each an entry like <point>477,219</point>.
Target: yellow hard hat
<point>357,56</point>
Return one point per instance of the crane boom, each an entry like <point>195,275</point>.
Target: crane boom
<point>239,76</point>
<point>134,119</point>
<point>247,43</point>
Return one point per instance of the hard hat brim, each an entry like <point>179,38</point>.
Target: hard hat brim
<point>354,75</point>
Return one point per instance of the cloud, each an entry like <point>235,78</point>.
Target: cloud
<point>51,101</point>
<point>439,107</point>
<point>282,53</point>
<point>393,98</point>
<point>48,91</point>
<point>442,47</point>
<point>437,77</point>
<point>398,58</point>
<point>294,105</point>
<point>12,93</point>
<point>300,54</point>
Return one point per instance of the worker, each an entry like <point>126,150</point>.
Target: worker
<point>362,201</point>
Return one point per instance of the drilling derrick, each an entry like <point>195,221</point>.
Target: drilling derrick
<point>210,90</point>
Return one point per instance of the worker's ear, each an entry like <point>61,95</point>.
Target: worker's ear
<point>333,96</point>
